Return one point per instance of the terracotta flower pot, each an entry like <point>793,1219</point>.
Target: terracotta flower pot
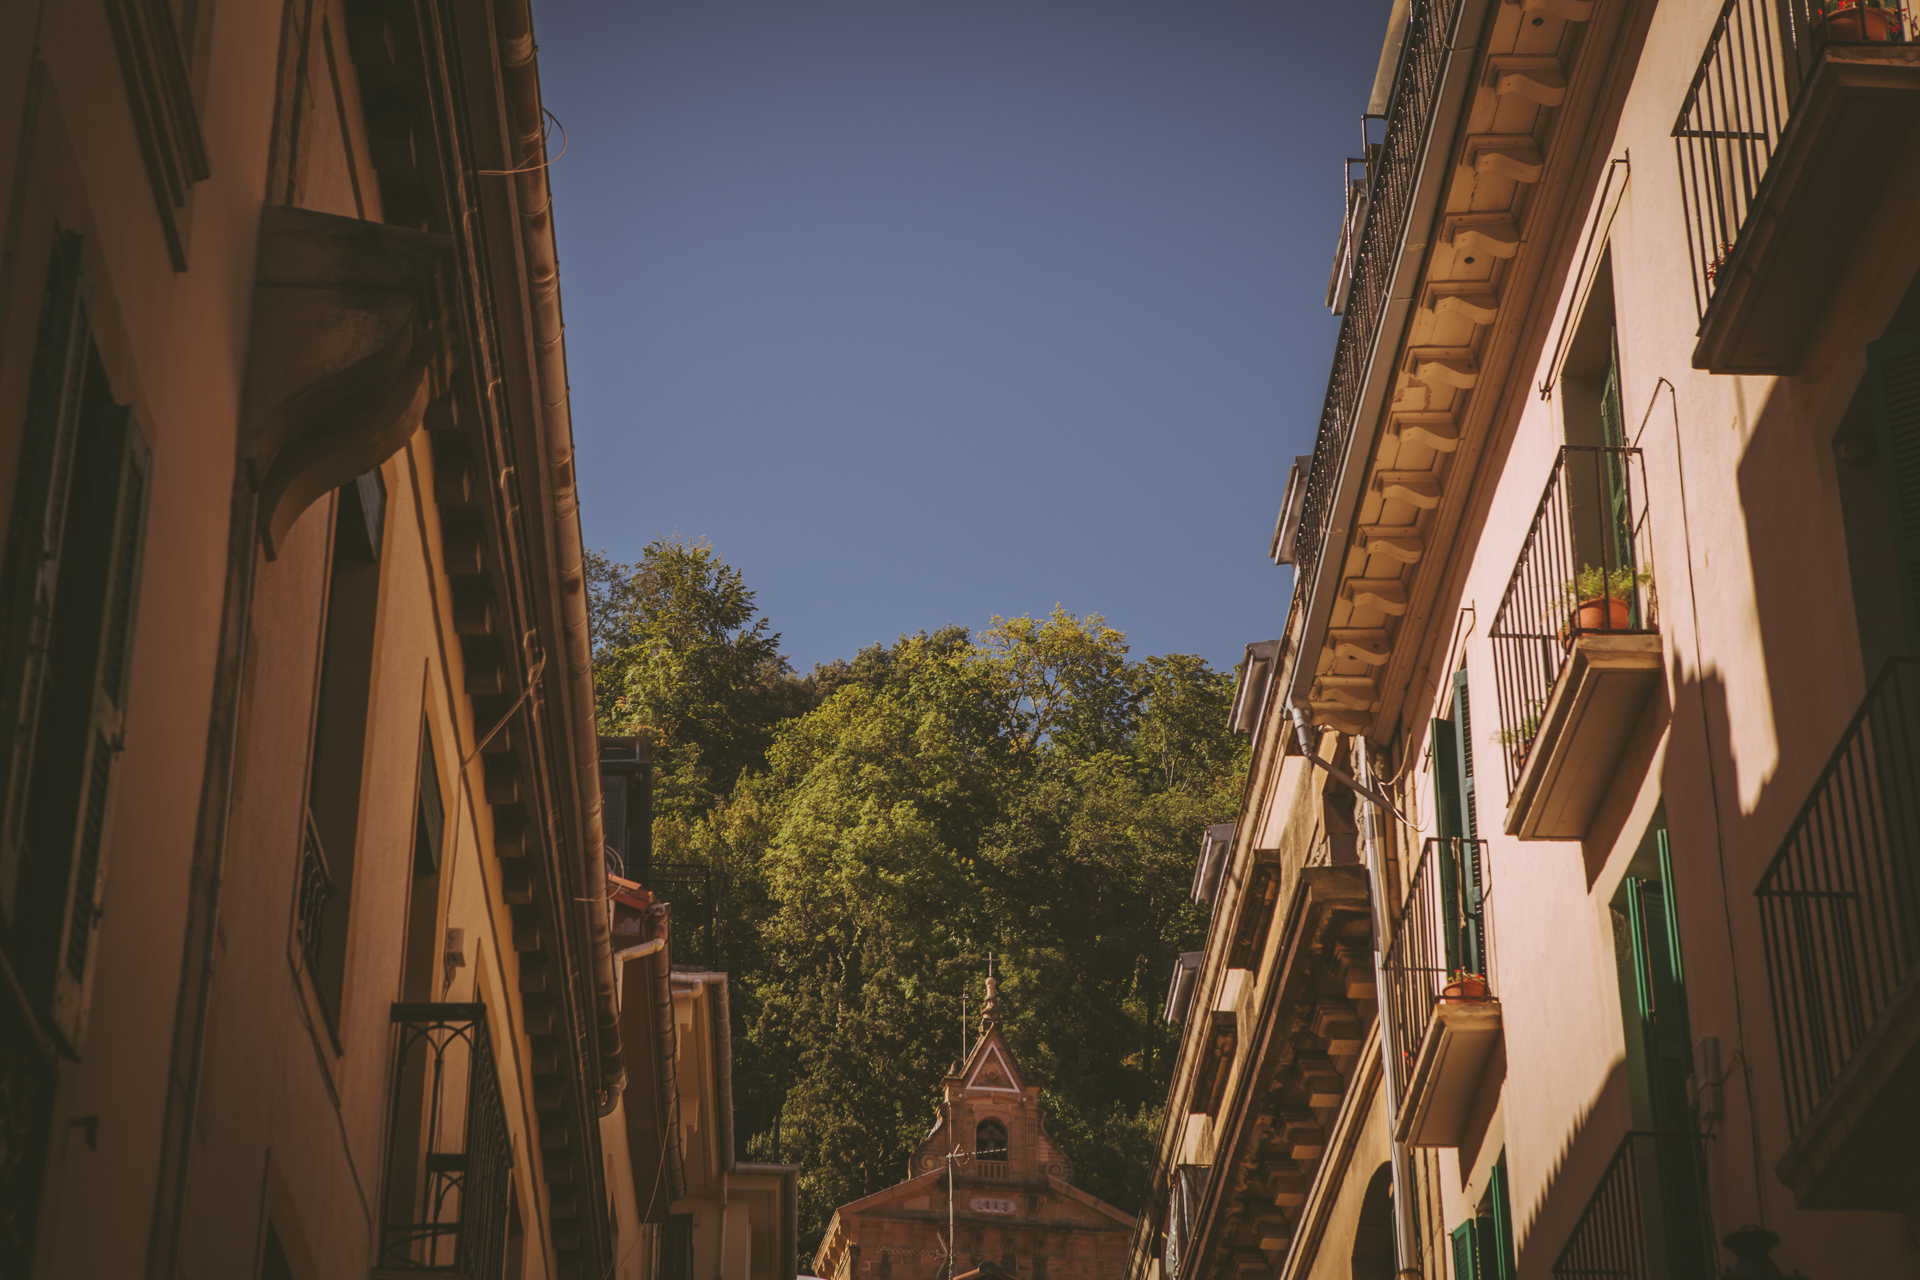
<point>1852,22</point>
<point>1468,986</point>
<point>1599,613</point>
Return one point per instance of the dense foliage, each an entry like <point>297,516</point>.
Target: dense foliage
<point>882,824</point>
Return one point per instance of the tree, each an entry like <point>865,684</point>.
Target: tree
<point>883,823</point>
<point>681,658</point>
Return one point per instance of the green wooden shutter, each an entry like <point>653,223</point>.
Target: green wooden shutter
<point>1446,772</point>
<point>1659,977</point>
<point>28,576</point>
<point>108,515</point>
<point>1502,1257</point>
<point>1466,1250</point>
<point>1472,889</point>
<point>1463,756</point>
<point>1662,1003</point>
<point>1893,385</point>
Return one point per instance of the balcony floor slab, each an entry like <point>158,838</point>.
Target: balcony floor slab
<point>1446,1077</point>
<point>1584,729</point>
<point>1848,133</point>
<point>1856,1150</point>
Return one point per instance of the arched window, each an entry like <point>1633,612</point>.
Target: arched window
<point>1373,1244</point>
<point>990,1140</point>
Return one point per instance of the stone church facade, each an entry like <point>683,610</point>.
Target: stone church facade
<point>1014,1210</point>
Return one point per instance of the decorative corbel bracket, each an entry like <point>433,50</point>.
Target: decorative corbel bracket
<point>1475,234</point>
<point>1506,155</point>
<point>347,346</point>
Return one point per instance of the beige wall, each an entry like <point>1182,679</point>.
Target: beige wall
<point>291,1123</point>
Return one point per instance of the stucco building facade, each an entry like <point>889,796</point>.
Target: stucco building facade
<point>1568,924</point>
<point>313,965</point>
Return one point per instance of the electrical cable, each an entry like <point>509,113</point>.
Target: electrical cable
<point>530,168</point>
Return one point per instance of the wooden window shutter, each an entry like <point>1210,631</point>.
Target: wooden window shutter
<point>108,515</point>
<point>28,576</point>
<point>68,588</point>
<point>1893,385</point>
<point>1473,885</point>
<point>1463,756</point>
<point>1502,1257</point>
<point>1446,771</point>
<point>1466,1250</point>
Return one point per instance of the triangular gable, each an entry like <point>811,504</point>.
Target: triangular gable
<point>992,1069</point>
<point>898,1191</point>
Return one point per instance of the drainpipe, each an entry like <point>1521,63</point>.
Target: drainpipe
<point>1406,1232</point>
<point>520,78</point>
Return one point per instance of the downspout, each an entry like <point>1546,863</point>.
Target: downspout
<point>520,78</point>
<point>1406,1232</point>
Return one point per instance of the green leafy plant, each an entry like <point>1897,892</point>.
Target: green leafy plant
<point>1594,581</point>
<point>1523,733</point>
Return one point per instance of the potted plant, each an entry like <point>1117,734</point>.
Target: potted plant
<point>1465,986</point>
<point>1854,21</point>
<point>1518,739</point>
<point>1600,599</point>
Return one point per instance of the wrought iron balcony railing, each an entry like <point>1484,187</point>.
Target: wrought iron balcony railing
<point>1649,1218</point>
<point>693,894</point>
<point>316,890</point>
<point>1441,936</point>
<point>1389,200</point>
<point>1840,904</point>
<point>29,1073</point>
<point>1759,57</point>
<point>449,1155</point>
<point>1584,568</point>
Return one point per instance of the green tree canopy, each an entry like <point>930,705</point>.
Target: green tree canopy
<point>882,824</point>
<point>681,657</point>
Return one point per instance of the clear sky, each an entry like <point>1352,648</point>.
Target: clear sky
<point>928,310</point>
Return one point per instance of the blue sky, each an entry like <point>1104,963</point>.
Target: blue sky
<point>928,310</point>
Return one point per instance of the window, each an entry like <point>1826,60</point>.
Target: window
<point>421,976</point>
<point>990,1140</point>
<point>1483,1247</point>
<point>1456,817</point>
<point>340,731</point>
<point>1593,415</point>
<point>69,588</point>
<point>1375,1252</point>
<point>1660,1052</point>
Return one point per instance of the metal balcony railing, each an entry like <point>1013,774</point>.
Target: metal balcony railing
<point>692,893</point>
<point>1759,56</point>
<point>316,890</point>
<point>1441,935</point>
<point>1584,567</point>
<point>1649,1218</point>
<point>1388,201</point>
<point>1840,904</point>
<point>29,1073</point>
<point>449,1155</point>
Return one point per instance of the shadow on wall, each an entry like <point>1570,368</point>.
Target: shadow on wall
<point>1374,1256</point>
<point>1545,1225</point>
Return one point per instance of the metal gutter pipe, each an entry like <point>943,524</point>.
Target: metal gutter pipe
<point>1406,1232</point>
<point>520,78</point>
<point>1303,731</point>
